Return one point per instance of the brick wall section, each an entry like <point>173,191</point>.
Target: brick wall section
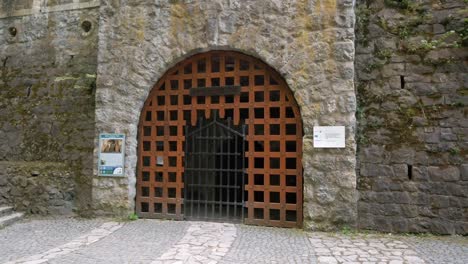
<point>413,127</point>
<point>47,80</point>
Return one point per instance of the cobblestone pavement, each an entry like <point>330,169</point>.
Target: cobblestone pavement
<point>256,244</point>
<point>336,248</point>
<point>136,242</point>
<point>440,249</point>
<point>81,242</point>
<point>69,240</point>
<point>203,243</point>
<point>30,237</point>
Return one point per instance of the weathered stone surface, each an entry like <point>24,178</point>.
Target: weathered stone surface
<point>444,174</point>
<point>408,77</point>
<point>309,43</point>
<point>410,85</point>
<point>463,172</point>
<point>47,80</point>
<point>38,187</point>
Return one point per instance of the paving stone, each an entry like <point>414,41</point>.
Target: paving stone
<point>77,243</point>
<point>440,249</point>
<point>140,241</point>
<point>207,238</point>
<point>269,245</point>
<point>34,236</point>
<point>338,248</point>
<point>68,240</point>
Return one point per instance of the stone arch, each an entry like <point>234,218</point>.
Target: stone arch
<point>264,103</point>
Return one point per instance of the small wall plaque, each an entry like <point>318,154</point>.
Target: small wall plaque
<point>111,155</point>
<point>329,137</point>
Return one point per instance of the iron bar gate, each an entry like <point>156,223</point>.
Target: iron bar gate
<point>214,171</point>
<point>249,92</point>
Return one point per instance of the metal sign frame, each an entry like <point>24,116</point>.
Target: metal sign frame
<point>329,137</point>
<point>111,159</point>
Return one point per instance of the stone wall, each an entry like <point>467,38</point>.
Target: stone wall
<point>411,84</point>
<point>411,63</point>
<point>48,68</point>
<point>37,187</point>
<point>12,8</point>
<point>310,43</point>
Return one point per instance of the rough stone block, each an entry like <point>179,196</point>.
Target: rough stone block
<point>419,68</point>
<point>441,227</point>
<point>391,210</point>
<point>464,172</point>
<point>419,225</point>
<point>400,172</point>
<point>432,137</point>
<point>400,225</point>
<point>409,210</point>
<point>376,170</point>
<point>420,174</point>
<point>403,155</point>
<point>455,189</point>
<point>383,224</point>
<point>461,227</point>
<point>401,198</point>
<point>373,154</point>
<point>3,180</point>
<point>393,69</point>
<point>439,202</point>
<point>366,221</point>
<point>447,174</point>
<point>343,51</point>
<point>427,211</point>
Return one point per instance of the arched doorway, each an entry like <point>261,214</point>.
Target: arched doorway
<point>255,115</point>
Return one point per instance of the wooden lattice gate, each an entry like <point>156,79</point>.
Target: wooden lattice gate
<point>248,92</point>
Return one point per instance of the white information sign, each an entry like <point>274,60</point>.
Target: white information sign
<point>329,136</point>
<point>111,154</point>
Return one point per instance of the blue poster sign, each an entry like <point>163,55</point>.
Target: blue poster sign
<point>111,155</point>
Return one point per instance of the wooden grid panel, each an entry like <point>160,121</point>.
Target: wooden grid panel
<point>274,136</point>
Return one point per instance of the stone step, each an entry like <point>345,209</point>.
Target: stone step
<point>10,219</point>
<point>4,210</point>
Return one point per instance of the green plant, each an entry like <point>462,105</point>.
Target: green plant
<point>401,4</point>
<point>439,62</point>
<point>346,230</point>
<point>362,25</point>
<point>383,24</point>
<point>463,33</point>
<point>454,151</point>
<point>426,45</point>
<point>361,139</point>
<point>133,217</point>
<point>384,54</point>
<point>403,32</point>
<point>463,91</point>
<point>373,66</point>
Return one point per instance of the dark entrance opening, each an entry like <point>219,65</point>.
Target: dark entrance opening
<point>214,171</point>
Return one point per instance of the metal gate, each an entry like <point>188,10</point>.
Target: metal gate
<point>231,85</point>
<point>214,171</point>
